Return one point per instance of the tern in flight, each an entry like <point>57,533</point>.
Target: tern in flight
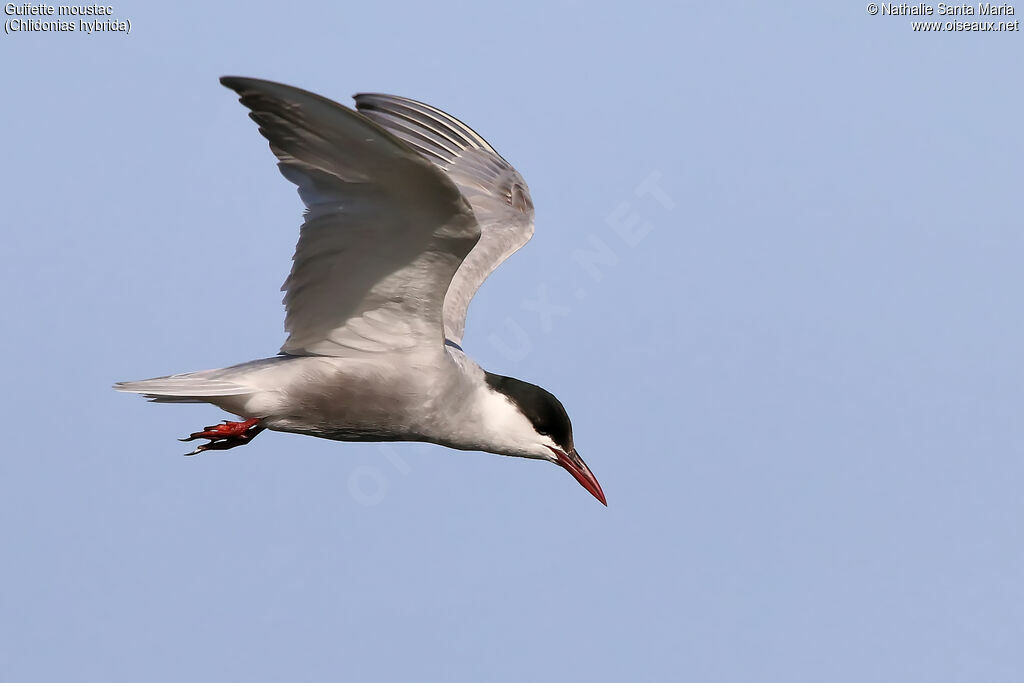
<point>407,213</point>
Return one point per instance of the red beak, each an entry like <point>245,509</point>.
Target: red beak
<point>572,462</point>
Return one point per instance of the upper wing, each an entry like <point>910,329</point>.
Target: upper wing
<point>384,230</point>
<point>497,193</point>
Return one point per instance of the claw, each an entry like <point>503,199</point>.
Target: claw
<point>225,430</point>
<point>226,435</point>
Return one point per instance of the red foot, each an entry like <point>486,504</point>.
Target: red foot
<point>226,435</point>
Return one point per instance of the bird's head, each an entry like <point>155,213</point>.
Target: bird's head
<point>540,428</point>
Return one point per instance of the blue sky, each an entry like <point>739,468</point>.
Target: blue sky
<point>795,367</point>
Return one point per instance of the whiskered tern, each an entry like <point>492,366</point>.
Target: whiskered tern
<point>408,211</point>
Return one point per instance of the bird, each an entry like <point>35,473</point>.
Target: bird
<point>407,212</point>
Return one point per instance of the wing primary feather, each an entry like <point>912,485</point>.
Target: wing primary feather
<point>419,139</point>
<point>385,228</point>
<point>425,115</point>
<point>496,192</point>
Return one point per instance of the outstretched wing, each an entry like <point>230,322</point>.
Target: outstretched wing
<point>384,231</point>
<point>495,190</point>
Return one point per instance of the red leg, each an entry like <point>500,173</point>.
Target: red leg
<point>226,435</point>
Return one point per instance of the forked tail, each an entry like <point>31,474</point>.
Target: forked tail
<point>190,387</point>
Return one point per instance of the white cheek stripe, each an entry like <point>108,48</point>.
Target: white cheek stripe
<point>504,424</point>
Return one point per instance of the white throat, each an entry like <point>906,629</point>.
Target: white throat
<point>497,426</point>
